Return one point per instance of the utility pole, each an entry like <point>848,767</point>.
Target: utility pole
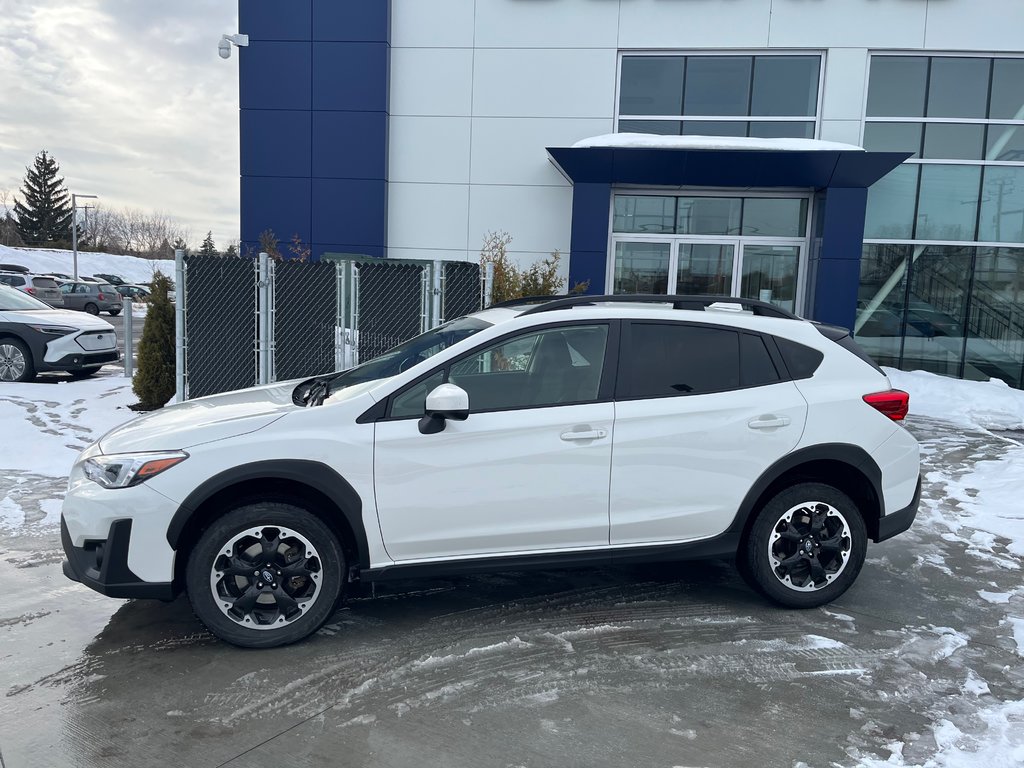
<point>74,228</point>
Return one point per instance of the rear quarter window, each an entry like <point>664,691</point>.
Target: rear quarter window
<point>802,361</point>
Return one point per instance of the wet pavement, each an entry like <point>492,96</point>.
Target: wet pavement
<point>654,666</point>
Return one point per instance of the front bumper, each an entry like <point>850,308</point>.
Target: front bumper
<point>79,360</point>
<point>897,522</point>
<point>102,565</point>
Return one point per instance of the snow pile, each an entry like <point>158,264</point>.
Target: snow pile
<point>47,260</point>
<point>651,141</point>
<point>47,425</point>
<point>989,499</point>
<point>982,404</point>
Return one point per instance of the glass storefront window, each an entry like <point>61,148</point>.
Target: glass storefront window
<point>953,141</point>
<point>642,267</point>
<point>709,215</point>
<point>948,204</point>
<point>717,85</point>
<point>881,301</point>
<point>958,86</point>
<point>715,128</point>
<point>774,217</point>
<point>705,269</point>
<point>769,274</point>
<point>651,85</point>
<point>995,320</point>
<point>781,130</point>
<point>893,137</point>
<point>1007,99</point>
<point>785,85</point>
<point>936,309</point>
<point>644,213</point>
<point>657,127</point>
<point>1002,205</point>
<point>896,86</point>
<point>1005,142</point>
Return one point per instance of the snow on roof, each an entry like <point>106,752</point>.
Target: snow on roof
<point>650,141</point>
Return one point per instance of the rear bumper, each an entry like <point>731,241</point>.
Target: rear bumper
<point>897,522</point>
<point>103,565</point>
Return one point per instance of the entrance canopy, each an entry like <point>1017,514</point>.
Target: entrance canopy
<point>839,173</point>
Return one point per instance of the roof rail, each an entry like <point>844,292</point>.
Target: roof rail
<point>525,300</point>
<point>762,308</point>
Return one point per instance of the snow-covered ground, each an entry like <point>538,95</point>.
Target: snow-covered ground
<point>47,260</point>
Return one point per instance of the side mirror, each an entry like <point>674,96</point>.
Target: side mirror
<point>444,402</point>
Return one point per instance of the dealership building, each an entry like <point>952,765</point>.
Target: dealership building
<point>865,164</point>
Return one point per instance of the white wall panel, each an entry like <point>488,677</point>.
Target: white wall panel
<point>695,23</point>
<point>547,23</point>
<point>846,71</point>
<point>544,83</point>
<point>538,218</point>
<point>850,23</point>
<point>846,131</point>
<point>428,215</point>
<point>511,150</point>
<point>432,254</point>
<point>427,81</point>
<point>431,23</point>
<point>429,149</point>
<point>991,25</point>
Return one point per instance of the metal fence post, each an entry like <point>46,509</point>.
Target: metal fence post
<point>437,295</point>
<point>262,316</point>
<point>180,342</point>
<point>355,314</point>
<point>129,337</point>
<point>271,324</point>
<point>488,284</point>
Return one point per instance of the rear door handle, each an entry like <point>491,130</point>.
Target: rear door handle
<point>768,422</point>
<point>590,434</point>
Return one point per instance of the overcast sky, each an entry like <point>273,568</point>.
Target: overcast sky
<point>131,98</point>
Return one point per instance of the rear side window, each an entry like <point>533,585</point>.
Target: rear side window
<point>13,280</point>
<point>756,366</point>
<point>674,359</point>
<point>802,361</point>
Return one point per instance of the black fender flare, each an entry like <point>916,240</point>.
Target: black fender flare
<point>319,477</point>
<point>845,453</point>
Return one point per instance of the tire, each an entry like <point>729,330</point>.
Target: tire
<point>115,312</point>
<point>819,531</point>
<point>16,362</point>
<point>92,309</point>
<point>247,611</point>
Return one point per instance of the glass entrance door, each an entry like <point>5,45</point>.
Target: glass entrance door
<point>705,268</point>
<point>642,266</point>
<point>769,273</point>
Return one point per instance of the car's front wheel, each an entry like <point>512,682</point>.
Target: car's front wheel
<point>92,309</point>
<point>806,546</point>
<point>16,361</point>
<point>115,312</point>
<point>265,575</point>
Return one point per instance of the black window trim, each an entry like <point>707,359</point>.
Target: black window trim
<point>605,390</point>
<point>622,393</point>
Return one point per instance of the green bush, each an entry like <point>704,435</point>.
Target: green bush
<point>154,379</point>
<point>510,282</point>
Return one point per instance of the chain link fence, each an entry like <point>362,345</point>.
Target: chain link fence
<point>244,323</point>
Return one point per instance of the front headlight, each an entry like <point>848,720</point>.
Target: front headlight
<point>123,470</point>
<point>54,330</point>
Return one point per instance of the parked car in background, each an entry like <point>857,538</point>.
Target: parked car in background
<point>134,292</point>
<point>43,287</point>
<point>114,280</point>
<point>34,338</point>
<point>14,268</point>
<point>91,297</point>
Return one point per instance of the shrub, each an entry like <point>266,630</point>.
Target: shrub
<point>154,379</point>
<point>510,282</point>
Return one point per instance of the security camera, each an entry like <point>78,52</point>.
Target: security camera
<point>224,46</point>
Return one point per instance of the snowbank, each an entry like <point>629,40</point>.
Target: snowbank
<point>650,141</point>
<point>46,260</point>
<point>982,404</point>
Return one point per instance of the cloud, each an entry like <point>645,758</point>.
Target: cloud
<point>131,98</point>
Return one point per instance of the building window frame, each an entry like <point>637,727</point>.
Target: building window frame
<point>816,119</point>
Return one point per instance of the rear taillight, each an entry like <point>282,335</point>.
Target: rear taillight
<point>31,290</point>
<point>895,403</point>
<point>100,296</point>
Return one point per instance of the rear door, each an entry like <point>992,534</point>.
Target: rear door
<point>701,412</point>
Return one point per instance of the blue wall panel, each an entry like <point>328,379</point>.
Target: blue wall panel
<point>835,291</point>
<point>352,20</point>
<point>588,266</point>
<point>589,241</point>
<point>350,76</point>
<point>275,76</point>
<point>349,211</point>
<point>319,249</point>
<point>279,204</point>
<point>275,142</point>
<point>335,134</point>
<point>275,19</point>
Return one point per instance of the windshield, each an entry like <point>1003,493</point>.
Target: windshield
<point>12,300</point>
<point>409,353</point>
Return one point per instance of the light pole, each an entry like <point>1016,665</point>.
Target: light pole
<point>74,228</point>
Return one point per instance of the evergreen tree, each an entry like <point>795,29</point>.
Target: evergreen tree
<point>154,380</point>
<point>208,248</point>
<point>231,252</point>
<point>44,214</point>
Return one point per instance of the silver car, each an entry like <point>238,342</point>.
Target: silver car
<point>43,287</point>
<point>91,297</point>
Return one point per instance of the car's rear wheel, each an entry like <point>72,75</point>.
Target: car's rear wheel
<point>92,309</point>
<point>16,361</point>
<point>265,575</point>
<point>115,312</point>
<point>806,546</point>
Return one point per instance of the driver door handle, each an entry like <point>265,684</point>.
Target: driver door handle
<point>590,434</point>
<point>768,422</point>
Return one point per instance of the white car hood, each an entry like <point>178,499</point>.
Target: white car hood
<point>82,320</point>
<point>203,420</point>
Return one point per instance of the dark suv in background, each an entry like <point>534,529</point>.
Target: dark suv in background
<point>91,297</point>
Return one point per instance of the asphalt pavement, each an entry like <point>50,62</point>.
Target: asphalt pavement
<point>674,665</point>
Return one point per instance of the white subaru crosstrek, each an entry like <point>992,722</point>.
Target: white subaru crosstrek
<point>576,431</point>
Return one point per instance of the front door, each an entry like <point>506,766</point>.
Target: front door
<point>527,471</point>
